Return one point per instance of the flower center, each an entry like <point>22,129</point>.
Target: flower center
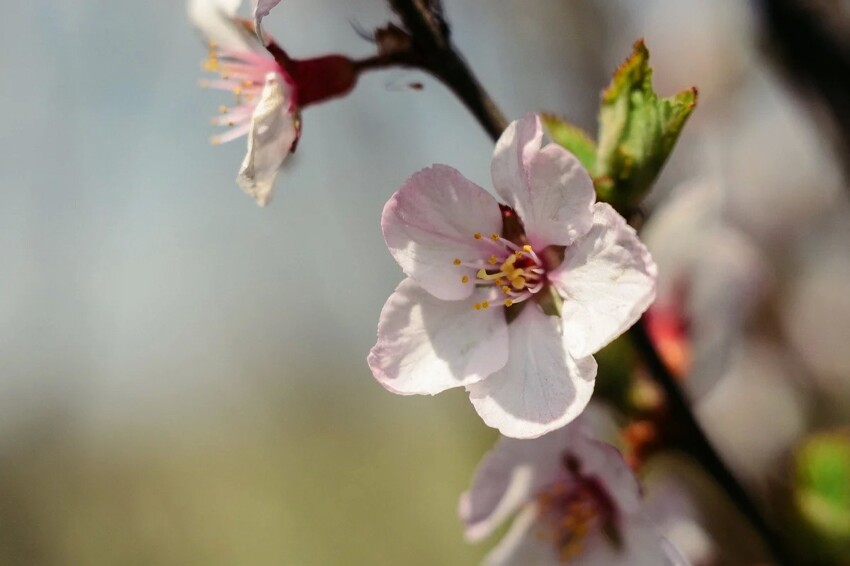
<point>571,508</point>
<point>517,272</point>
<point>243,73</point>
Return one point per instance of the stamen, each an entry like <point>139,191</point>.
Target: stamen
<point>464,279</point>
<point>477,235</point>
<point>485,305</point>
<point>457,261</point>
<point>509,302</point>
<point>493,260</point>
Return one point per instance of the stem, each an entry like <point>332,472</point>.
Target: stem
<point>698,445</point>
<point>439,57</point>
<point>429,33</point>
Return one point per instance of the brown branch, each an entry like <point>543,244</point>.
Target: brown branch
<point>429,33</point>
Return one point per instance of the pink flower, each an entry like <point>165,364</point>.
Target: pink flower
<point>487,282</point>
<point>265,109</point>
<point>575,499</point>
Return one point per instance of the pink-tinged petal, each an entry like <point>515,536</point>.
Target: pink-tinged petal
<point>542,387</point>
<point>510,474</point>
<point>426,345</point>
<point>604,462</point>
<point>215,19</point>
<point>607,280</point>
<point>431,221</point>
<point>271,136</point>
<point>547,185</point>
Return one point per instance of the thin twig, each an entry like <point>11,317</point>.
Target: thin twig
<point>698,445</point>
<point>439,57</point>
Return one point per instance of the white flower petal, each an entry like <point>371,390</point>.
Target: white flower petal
<point>607,280</point>
<point>215,19</point>
<point>642,545</point>
<point>520,545</point>
<point>273,131</point>
<point>430,221</point>
<point>547,185</point>
<point>261,10</point>
<point>426,345</point>
<point>512,472</point>
<point>263,7</point>
<point>542,387</point>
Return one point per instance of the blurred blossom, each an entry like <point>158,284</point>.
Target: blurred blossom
<point>781,171</point>
<point>756,413</point>
<point>461,318</point>
<point>575,499</point>
<point>815,314</point>
<point>695,516</point>
<point>711,279</point>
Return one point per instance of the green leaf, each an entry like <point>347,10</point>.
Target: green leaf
<point>823,480</point>
<point>822,492</point>
<point>572,138</point>
<point>637,129</point>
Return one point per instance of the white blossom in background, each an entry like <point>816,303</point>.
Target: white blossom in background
<point>480,306</point>
<point>265,109</point>
<point>574,499</point>
<point>711,280</point>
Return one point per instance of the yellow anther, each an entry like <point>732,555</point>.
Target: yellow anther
<point>493,260</point>
<point>500,281</point>
<point>464,279</point>
<point>527,248</point>
<point>519,254</point>
<point>476,306</point>
<point>237,91</point>
<point>508,302</point>
<point>485,305</point>
<point>477,236</point>
<point>249,83</point>
<point>457,261</point>
<point>215,140</point>
<point>495,237</point>
<point>518,283</point>
<point>222,109</point>
<point>506,289</point>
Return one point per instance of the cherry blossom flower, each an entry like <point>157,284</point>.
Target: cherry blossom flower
<point>270,88</point>
<point>509,301</point>
<point>575,501</point>
<point>265,109</point>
